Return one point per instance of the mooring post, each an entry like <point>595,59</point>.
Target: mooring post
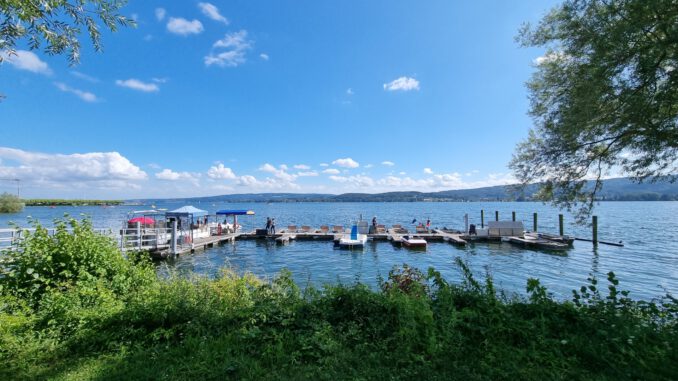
<point>496,215</point>
<point>513,215</point>
<point>560,224</point>
<point>173,249</point>
<point>534,222</point>
<point>466,223</point>
<point>139,234</point>
<point>595,230</point>
<point>482,219</point>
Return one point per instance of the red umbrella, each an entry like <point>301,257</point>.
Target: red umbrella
<point>142,220</point>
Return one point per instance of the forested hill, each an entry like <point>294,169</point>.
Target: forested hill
<point>620,189</point>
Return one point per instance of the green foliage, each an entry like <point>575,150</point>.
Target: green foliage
<point>10,203</point>
<point>68,202</point>
<point>603,98</point>
<point>56,24</point>
<point>74,256</point>
<point>418,326</point>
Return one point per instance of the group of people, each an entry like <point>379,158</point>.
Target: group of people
<point>373,228</point>
<point>270,225</point>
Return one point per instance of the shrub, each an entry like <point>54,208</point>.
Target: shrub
<point>75,255</point>
<point>10,203</point>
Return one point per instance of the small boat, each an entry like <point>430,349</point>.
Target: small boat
<point>413,242</point>
<point>353,240</point>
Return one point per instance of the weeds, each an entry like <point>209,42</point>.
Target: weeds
<point>94,314</point>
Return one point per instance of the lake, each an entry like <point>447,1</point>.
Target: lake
<point>647,265</point>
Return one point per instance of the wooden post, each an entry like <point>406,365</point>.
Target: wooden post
<point>595,230</point>
<point>173,249</point>
<point>534,222</point>
<point>482,219</point>
<point>496,215</point>
<point>560,224</point>
<point>513,215</point>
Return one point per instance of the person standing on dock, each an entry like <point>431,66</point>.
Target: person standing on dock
<point>428,224</point>
<point>268,225</point>
<point>373,229</point>
<point>273,226</point>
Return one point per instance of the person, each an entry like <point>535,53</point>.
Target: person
<point>428,224</point>
<point>219,228</point>
<point>272,225</point>
<point>373,228</point>
<point>268,225</point>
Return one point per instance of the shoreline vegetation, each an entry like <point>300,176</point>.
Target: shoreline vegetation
<point>72,307</point>
<point>67,202</point>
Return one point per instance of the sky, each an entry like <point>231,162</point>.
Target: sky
<point>251,96</point>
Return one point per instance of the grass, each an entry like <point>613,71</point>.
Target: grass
<point>121,322</point>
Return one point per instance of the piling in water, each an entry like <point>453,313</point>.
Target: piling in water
<point>595,230</point>
<point>482,219</point>
<point>513,215</point>
<point>496,215</point>
<point>560,225</point>
<point>534,222</point>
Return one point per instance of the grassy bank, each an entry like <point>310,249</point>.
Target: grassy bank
<point>68,202</point>
<point>73,308</point>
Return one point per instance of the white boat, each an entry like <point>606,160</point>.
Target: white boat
<point>353,240</point>
<point>413,242</point>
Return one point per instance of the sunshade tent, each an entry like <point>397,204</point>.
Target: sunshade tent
<point>235,212</point>
<point>142,220</point>
<point>186,211</point>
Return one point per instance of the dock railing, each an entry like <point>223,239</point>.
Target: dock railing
<point>10,237</point>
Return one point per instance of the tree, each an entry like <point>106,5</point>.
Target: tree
<point>10,203</point>
<point>56,24</point>
<point>604,98</point>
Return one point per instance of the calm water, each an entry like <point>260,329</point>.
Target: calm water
<point>646,266</point>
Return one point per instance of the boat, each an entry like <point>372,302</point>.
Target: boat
<point>413,242</point>
<point>353,240</point>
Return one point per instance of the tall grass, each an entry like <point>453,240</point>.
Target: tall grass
<point>111,318</point>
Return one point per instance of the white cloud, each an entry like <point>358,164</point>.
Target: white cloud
<point>428,171</point>
<point>84,95</point>
<point>332,171</point>
<point>356,181</point>
<point>236,45</point>
<point>387,163</point>
<point>69,170</point>
<point>402,84</point>
<point>302,166</point>
<point>346,163</point>
<point>349,91</point>
<point>184,27</point>
<point>307,174</point>
<point>170,175</point>
<point>264,56</point>
<point>212,12</point>
<point>159,80</point>
<point>268,183</point>
<point>136,84</point>
<point>402,173</point>
<point>160,13</point>
<point>220,172</point>
<point>84,77</point>
<point>324,165</point>
<point>368,166</point>
<point>549,58</point>
<point>279,173</point>
<point>25,60</point>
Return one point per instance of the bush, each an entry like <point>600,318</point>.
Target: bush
<point>74,256</point>
<point>10,203</point>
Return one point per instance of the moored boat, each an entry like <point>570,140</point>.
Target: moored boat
<point>413,242</point>
<point>353,240</point>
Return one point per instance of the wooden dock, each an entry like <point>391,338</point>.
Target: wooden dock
<point>451,237</point>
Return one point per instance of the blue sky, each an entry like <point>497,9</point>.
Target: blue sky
<point>274,96</point>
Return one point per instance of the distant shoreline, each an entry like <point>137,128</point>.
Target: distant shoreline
<point>63,202</point>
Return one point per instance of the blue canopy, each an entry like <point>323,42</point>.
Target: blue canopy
<point>185,211</point>
<point>235,212</point>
